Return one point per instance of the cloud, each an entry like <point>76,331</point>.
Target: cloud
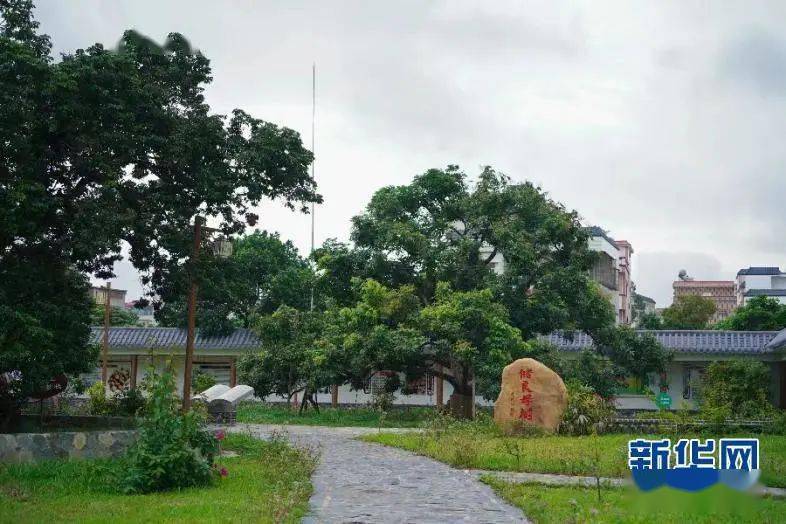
<point>757,60</point>
<point>661,122</point>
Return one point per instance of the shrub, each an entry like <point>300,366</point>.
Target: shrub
<point>202,381</point>
<point>587,412</point>
<point>98,402</point>
<point>173,450</point>
<point>129,402</point>
<point>736,388</point>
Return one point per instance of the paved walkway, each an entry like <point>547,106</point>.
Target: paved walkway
<point>360,482</point>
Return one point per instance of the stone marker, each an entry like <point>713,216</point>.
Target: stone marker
<point>532,394</point>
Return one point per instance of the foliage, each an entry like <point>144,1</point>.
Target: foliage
<point>173,450</point>
<point>688,312</point>
<point>292,358</point>
<point>97,400</point>
<point>127,402</point>
<point>202,381</point>
<point>44,326</point>
<point>650,321</point>
<point>267,482</point>
<point>758,314</point>
<point>101,147</point>
<point>638,354</point>
<point>736,388</point>
<point>118,316</point>
<point>587,412</point>
<point>437,229</point>
<point>262,273</point>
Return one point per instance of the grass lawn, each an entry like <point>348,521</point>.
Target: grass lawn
<point>267,482</point>
<point>260,413</point>
<point>553,454</point>
<point>552,504</point>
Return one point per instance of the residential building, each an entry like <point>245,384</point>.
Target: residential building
<point>612,271</point>
<point>761,281</point>
<point>146,314</point>
<point>117,297</point>
<point>642,305</point>
<point>721,292</point>
<point>625,282</point>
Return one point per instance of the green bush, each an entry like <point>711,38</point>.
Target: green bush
<point>174,450</point>
<point>587,412</point>
<point>736,389</point>
<point>98,402</point>
<point>202,381</point>
<point>129,402</point>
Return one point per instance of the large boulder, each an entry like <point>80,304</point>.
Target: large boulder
<point>531,393</point>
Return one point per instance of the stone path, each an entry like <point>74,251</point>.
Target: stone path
<point>361,482</point>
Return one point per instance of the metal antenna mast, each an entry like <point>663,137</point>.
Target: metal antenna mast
<point>313,162</point>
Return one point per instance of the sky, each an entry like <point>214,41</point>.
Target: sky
<point>662,122</point>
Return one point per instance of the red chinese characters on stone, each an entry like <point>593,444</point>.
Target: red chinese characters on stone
<point>525,413</point>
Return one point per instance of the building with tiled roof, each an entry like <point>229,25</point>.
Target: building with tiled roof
<point>133,349</point>
<point>693,351</point>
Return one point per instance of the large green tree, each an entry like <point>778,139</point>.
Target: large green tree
<point>463,337</point>
<point>758,314</point>
<point>105,146</point>
<point>441,228</point>
<point>262,274</point>
<point>688,312</point>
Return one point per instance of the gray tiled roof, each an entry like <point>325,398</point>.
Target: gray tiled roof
<point>753,270</point>
<point>146,338</point>
<point>698,341</point>
<point>766,293</point>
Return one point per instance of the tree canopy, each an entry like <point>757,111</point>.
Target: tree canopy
<point>758,314</point>
<point>440,228</point>
<point>107,146</point>
<point>688,312</point>
<point>262,274</point>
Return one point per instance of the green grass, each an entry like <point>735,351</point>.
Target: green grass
<point>403,417</point>
<point>558,504</point>
<point>553,454</point>
<point>267,482</point>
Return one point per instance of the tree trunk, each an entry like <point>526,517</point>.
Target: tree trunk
<point>462,401</point>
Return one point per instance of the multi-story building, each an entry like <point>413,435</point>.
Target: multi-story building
<point>117,297</point>
<point>612,271</point>
<point>721,292</point>
<point>761,281</point>
<point>625,282</point>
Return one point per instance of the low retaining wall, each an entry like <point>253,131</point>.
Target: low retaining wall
<point>33,447</point>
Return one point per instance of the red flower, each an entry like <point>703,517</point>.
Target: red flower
<point>224,472</point>
<point>220,435</point>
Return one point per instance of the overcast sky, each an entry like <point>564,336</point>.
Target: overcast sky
<point>662,122</point>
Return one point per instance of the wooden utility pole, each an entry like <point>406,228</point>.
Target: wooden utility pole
<point>439,387</point>
<point>107,321</point>
<point>192,296</point>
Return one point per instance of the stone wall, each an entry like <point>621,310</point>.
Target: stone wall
<point>33,447</point>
